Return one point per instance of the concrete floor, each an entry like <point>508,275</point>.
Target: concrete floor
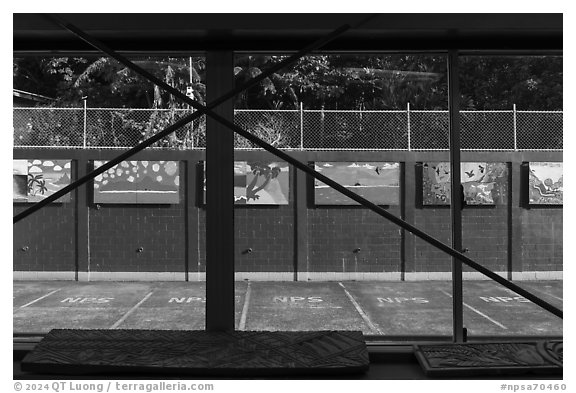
<point>375,308</point>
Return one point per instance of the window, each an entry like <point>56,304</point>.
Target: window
<point>306,258</point>
<point>116,251</point>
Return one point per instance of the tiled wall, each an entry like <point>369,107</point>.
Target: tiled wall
<point>341,239</point>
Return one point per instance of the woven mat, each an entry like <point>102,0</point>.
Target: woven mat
<point>495,358</point>
<point>105,352</point>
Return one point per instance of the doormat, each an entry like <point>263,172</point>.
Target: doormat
<point>494,358</point>
<point>238,353</point>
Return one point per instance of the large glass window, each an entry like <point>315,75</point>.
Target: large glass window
<point>127,250</point>
<point>365,121</point>
<point>124,250</point>
<point>511,141</point>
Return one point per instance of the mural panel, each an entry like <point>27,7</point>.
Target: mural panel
<point>546,183</point>
<point>259,183</point>
<point>484,183</point>
<point>35,180</point>
<point>267,183</point>
<point>379,182</point>
<point>138,182</point>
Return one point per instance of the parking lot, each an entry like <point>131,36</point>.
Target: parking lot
<point>397,308</point>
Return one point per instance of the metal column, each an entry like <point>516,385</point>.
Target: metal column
<point>220,196</point>
<point>456,193</point>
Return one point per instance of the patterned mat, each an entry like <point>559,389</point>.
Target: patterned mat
<point>504,358</point>
<point>89,352</point>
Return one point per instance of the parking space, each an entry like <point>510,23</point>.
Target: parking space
<point>551,291</point>
<point>78,306</point>
<point>405,308</point>
<point>180,306</point>
<point>376,308</point>
<point>302,306</point>
<point>26,295</point>
<point>516,314</point>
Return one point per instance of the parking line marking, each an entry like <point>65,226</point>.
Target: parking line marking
<point>40,298</point>
<point>121,320</point>
<point>479,312</point>
<point>371,325</point>
<point>242,324</point>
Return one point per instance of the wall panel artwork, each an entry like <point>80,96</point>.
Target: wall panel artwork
<point>259,183</point>
<point>484,183</point>
<point>267,183</point>
<point>379,182</point>
<point>546,183</point>
<point>147,182</point>
<point>34,180</point>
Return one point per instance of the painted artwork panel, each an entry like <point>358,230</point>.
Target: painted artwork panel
<point>267,183</point>
<point>35,180</point>
<point>146,182</point>
<point>259,183</point>
<point>20,180</point>
<point>484,183</point>
<point>546,183</point>
<point>379,182</point>
<point>240,182</point>
<point>436,183</point>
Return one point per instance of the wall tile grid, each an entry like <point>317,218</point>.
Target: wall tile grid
<point>427,258</point>
<point>45,240</point>
<point>117,232</point>
<point>485,235</point>
<point>334,234</point>
<point>269,232</point>
<point>542,239</point>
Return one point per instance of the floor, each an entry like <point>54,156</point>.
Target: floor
<point>376,308</point>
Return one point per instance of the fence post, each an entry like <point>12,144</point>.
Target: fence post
<point>301,126</point>
<point>408,119</point>
<point>191,124</point>
<point>85,99</point>
<point>515,124</point>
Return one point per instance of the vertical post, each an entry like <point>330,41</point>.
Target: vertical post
<point>85,99</point>
<point>408,119</point>
<point>301,126</point>
<point>456,202</point>
<point>82,220</point>
<point>360,119</point>
<point>516,213</point>
<point>191,218</point>
<point>301,224</point>
<point>515,135</point>
<point>321,144</point>
<point>190,69</point>
<point>408,207</point>
<point>220,197</point>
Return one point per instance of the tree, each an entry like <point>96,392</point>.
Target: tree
<point>108,84</point>
<point>496,82</point>
<point>317,82</point>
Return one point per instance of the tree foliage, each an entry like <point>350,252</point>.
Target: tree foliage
<point>338,82</point>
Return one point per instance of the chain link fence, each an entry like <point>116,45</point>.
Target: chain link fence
<point>293,129</point>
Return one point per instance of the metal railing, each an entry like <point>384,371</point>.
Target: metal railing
<point>403,130</point>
